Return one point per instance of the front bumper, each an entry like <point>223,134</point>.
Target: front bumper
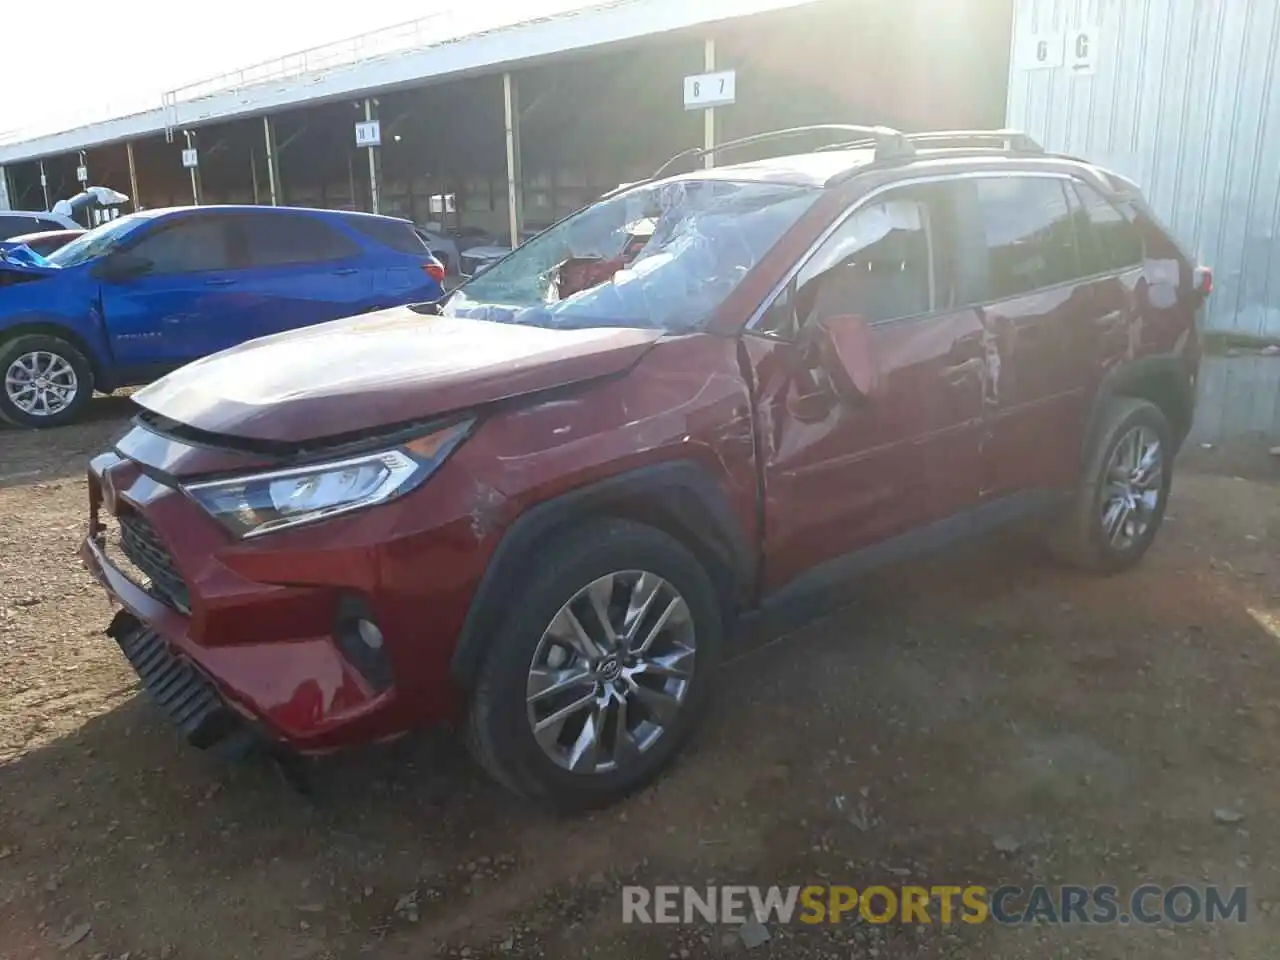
<point>178,689</point>
<point>195,625</point>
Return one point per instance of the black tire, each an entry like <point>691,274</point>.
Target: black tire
<point>499,731</point>
<point>11,350</point>
<point>1080,538</point>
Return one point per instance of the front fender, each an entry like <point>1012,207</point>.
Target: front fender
<point>60,304</point>
<point>680,494</point>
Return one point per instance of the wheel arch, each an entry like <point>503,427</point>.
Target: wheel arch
<point>40,327</point>
<point>1163,380</point>
<point>680,498</point>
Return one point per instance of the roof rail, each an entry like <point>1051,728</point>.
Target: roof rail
<point>889,143</point>
<point>1012,141</point>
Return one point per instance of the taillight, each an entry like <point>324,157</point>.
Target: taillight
<point>434,270</point>
<point>1204,280</point>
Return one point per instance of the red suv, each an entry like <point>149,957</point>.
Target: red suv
<point>542,505</point>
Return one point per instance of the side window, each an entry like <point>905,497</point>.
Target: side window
<point>1108,242</point>
<point>191,245</point>
<point>16,226</point>
<point>1029,233</point>
<point>876,265</point>
<point>50,225</point>
<point>281,238</point>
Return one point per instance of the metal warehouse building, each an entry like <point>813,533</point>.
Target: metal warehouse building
<point>518,124</point>
<point>1179,95</point>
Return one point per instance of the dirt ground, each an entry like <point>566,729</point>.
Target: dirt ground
<point>981,718</point>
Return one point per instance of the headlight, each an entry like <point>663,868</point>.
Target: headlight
<point>253,505</point>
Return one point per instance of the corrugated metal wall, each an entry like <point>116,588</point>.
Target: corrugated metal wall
<point>1183,98</point>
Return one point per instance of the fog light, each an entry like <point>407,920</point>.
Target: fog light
<point>361,641</point>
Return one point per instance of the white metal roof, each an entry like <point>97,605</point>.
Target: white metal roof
<point>457,43</point>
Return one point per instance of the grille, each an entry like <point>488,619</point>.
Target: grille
<point>149,557</point>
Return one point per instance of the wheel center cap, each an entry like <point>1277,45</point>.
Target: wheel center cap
<point>609,668</point>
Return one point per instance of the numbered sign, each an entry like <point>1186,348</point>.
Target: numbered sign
<point>82,173</point>
<point>710,89</point>
<point>369,134</point>
<point>1040,51</point>
<point>1082,51</point>
<point>190,158</point>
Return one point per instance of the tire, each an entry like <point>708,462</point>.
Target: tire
<point>41,347</point>
<point>1082,537</point>
<point>500,726</point>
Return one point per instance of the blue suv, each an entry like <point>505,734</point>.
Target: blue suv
<point>146,293</point>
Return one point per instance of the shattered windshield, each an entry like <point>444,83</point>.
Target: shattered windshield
<point>659,256</point>
<point>98,242</point>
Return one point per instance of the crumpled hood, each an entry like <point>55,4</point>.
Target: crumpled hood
<point>380,369</point>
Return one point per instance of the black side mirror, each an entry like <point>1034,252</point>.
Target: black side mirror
<point>122,266</point>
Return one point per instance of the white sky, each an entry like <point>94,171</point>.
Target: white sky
<point>82,61</point>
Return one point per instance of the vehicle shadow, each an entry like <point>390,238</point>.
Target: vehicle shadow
<point>42,456</point>
<point>909,728</point>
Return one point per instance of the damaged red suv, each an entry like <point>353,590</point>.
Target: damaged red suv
<point>542,506</point>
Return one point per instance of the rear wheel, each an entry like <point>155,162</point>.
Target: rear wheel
<point>44,381</point>
<point>602,668</point>
<point>1124,490</point>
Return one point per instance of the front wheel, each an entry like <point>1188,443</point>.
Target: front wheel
<point>46,381</point>
<point>1124,489</point>
<point>602,668</point>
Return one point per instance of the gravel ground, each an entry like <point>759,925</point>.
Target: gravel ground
<point>981,718</point>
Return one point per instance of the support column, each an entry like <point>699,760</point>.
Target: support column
<point>515,193</point>
<point>709,115</point>
<point>194,171</point>
<point>133,177</point>
<point>6,190</point>
<point>44,185</point>
<point>253,174</point>
<point>373,158</point>
<point>273,176</point>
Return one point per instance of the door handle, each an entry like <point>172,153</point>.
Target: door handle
<point>957,374</point>
<point>346,271</point>
<point>219,282</point>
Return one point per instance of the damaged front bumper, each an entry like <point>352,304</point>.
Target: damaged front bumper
<point>189,700</point>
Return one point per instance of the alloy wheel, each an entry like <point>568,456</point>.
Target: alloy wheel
<point>1132,486</point>
<point>41,383</point>
<point>612,672</point>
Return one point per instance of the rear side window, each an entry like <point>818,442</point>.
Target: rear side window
<point>17,226</point>
<point>1029,234</point>
<point>191,245</point>
<point>399,236</point>
<point>281,238</point>
<point>1108,242</point>
<point>42,225</point>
